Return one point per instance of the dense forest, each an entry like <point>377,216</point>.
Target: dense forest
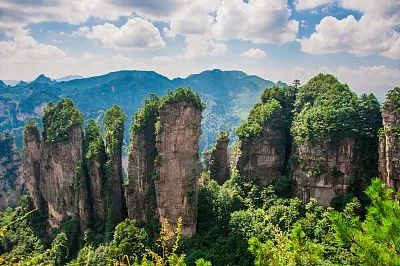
<point>300,186</point>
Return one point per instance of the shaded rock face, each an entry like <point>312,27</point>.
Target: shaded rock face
<point>60,178</point>
<point>178,164</point>
<point>263,157</point>
<point>31,166</point>
<point>96,177</point>
<point>11,180</point>
<point>389,147</point>
<point>219,162</point>
<point>140,195</point>
<point>325,171</point>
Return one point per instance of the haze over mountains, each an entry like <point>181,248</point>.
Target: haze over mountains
<point>228,95</point>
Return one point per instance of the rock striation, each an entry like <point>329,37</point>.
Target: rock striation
<point>140,190</point>
<point>389,145</point>
<point>263,143</point>
<point>219,161</point>
<point>177,163</point>
<point>11,181</point>
<point>325,171</point>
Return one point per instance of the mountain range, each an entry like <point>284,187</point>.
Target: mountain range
<point>228,96</point>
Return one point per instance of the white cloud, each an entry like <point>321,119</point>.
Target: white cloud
<point>311,4</point>
<point>262,21</point>
<point>198,47</point>
<point>17,14</point>
<point>161,59</point>
<point>253,53</point>
<point>375,32</point>
<point>137,33</point>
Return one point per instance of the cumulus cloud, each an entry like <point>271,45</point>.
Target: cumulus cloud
<point>311,4</point>
<point>262,21</point>
<point>137,33</point>
<point>253,53</point>
<point>375,32</point>
<point>198,46</point>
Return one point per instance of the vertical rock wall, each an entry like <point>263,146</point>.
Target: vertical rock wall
<point>219,161</point>
<point>389,145</point>
<point>31,164</point>
<point>140,194</point>
<point>59,181</point>
<point>11,181</point>
<point>178,164</point>
<point>325,171</point>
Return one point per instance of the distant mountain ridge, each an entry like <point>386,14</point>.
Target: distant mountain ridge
<point>228,95</point>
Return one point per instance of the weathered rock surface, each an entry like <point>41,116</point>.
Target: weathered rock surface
<point>11,181</point>
<point>324,171</point>
<point>31,164</point>
<point>96,185</point>
<point>178,164</point>
<point>140,194</point>
<point>389,142</point>
<point>219,161</point>
<point>263,156</point>
<point>59,178</point>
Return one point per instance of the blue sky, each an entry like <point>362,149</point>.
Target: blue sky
<point>356,40</point>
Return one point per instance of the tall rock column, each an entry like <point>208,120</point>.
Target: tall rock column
<point>263,142</point>
<point>140,190</point>
<point>11,181</point>
<point>219,162</point>
<point>31,163</point>
<point>61,166</point>
<point>177,142</point>
<point>95,160</point>
<point>113,136</point>
<point>389,146</point>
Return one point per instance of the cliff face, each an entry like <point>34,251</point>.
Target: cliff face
<point>324,171</point>
<point>389,145</point>
<point>11,181</point>
<point>219,161</point>
<point>140,195</point>
<point>177,164</point>
<point>60,177</point>
<point>263,156</point>
<point>31,164</point>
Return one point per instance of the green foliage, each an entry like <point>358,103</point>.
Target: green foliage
<point>59,119</point>
<point>129,241</point>
<point>31,129</point>
<point>259,115</point>
<point>114,130</point>
<point>286,97</point>
<point>147,113</point>
<point>376,239</point>
<point>93,142</point>
<point>186,95</point>
<point>59,251</point>
<point>393,99</point>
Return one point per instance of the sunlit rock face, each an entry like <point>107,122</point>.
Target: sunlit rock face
<point>389,141</point>
<point>177,164</point>
<point>219,161</point>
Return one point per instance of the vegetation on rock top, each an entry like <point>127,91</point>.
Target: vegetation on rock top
<point>59,119</point>
<point>147,113</point>
<point>186,95</point>
<point>114,119</point>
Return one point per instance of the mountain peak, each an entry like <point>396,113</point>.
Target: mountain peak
<point>42,79</point>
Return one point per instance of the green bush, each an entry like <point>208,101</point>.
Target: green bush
<point>147,113</point>
<point>114,119</point>
<point>59,119</point>
<point>182,95</point>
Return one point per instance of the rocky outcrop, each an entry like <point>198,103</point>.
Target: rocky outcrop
<point>389,145</point>
<point>31,164</point>
<point>219,161</point>
<point>263,143</point>
<point>324,171</point>
<point>177,162</point>
<point>113,138</point>
<point>11,181</point>
<point>61,177</point>
<point>140,190</point>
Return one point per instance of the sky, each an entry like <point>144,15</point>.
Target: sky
<point>356,40</point>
